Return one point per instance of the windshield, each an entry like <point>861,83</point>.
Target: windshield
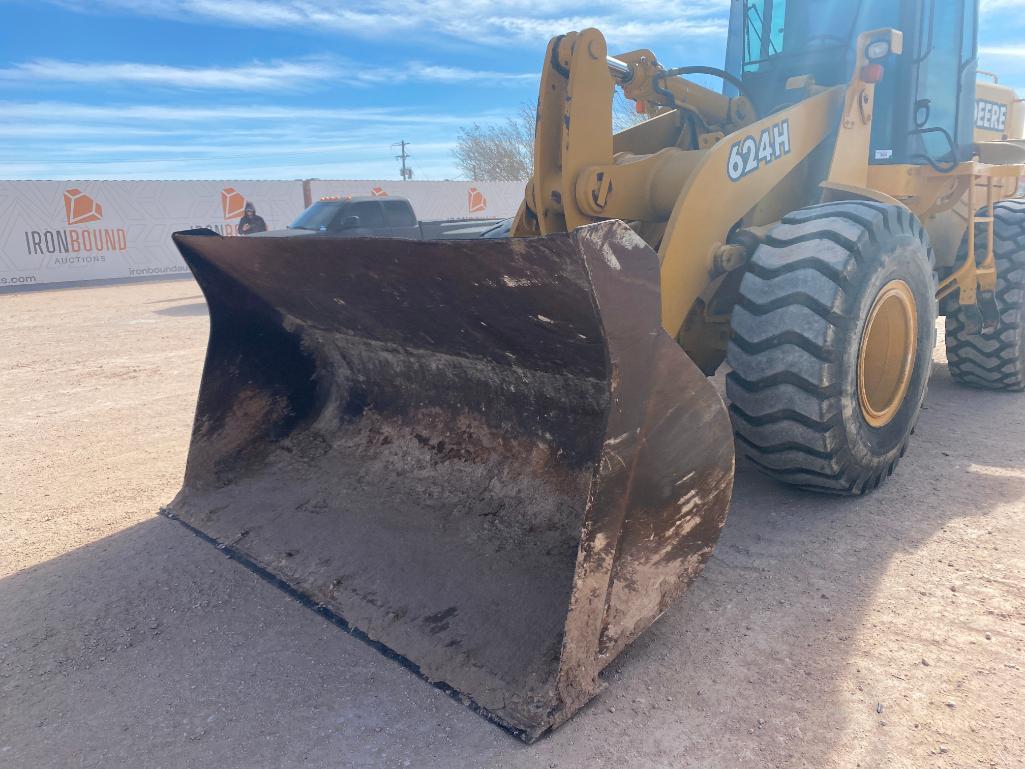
<point>319,215</point>
<point>773,27</point>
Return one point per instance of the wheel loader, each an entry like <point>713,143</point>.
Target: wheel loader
<point>501,460</point>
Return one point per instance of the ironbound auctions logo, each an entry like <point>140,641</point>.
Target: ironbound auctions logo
<point>233,206</point>
<point>233,203</point>
<point>77,245</point>
<point>475,201</point>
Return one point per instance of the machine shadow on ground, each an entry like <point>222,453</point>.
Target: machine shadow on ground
<point>183,310</point>
<point>150,648</point>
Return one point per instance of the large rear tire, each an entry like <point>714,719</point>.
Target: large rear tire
<point>995,360</point>
<point>831,346</point>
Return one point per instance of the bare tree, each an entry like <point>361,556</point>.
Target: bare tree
<point>624,113</point>
<point>501,153</point>
<point>505,153</point>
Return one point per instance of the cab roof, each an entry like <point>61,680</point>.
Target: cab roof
<point>356,198</point>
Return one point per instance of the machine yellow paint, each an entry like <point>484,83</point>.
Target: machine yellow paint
<point>682,200</point>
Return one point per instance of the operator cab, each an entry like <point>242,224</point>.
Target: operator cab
<point>918,118</point>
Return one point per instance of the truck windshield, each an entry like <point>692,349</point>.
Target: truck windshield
<point>318,216</point>
<point>775,27</point>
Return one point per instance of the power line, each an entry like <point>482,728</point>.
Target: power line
<point>406,172</point>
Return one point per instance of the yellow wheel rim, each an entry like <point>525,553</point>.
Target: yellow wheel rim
<point>887,357</point>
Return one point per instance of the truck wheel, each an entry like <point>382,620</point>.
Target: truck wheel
<point>832,345</point>
<point>995,360</point>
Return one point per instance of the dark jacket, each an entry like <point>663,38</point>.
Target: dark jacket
<point>247,225</point>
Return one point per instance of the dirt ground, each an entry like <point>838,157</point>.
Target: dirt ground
<point>880,632</point>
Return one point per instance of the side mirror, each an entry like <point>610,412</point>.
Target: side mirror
<point>349,222</point>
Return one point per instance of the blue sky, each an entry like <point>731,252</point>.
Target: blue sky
<point>193,89</point>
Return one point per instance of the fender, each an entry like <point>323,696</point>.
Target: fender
<point>702,219</point>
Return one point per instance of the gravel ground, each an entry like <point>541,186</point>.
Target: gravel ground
<point>880,632</point>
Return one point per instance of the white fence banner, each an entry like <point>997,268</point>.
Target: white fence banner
<point>55,232</point>
<point>435,200</point>
<point>69,231</point>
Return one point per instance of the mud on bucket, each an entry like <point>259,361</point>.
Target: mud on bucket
<point>485,455</point>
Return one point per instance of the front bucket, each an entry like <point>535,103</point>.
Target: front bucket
<point>485,455</point>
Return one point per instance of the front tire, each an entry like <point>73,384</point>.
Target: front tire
<point>995,360</point>
<point>831,346</point>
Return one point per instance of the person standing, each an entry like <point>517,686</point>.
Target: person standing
<point>250,221</point>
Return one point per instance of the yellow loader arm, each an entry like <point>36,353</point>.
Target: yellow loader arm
<point>685,201</point>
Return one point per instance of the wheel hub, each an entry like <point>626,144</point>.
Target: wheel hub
<point>886,360</point>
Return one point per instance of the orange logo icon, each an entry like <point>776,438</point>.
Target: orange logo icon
<point>476,201</point>
<point>80,208</point>
<point>233,202</point>
<point>377,192</point>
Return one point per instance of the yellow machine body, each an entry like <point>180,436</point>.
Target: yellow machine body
<point>690,206</point>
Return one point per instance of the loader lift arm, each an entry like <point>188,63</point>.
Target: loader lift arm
<point>583,176</point>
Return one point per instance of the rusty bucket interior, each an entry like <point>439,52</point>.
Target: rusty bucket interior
<point>486,455</point>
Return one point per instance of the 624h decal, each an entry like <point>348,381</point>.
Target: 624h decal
<point>752,152</point>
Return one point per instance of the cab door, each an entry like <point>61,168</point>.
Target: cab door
<point>944,74</point>
<point>370,216</point>
<point>399,220</point>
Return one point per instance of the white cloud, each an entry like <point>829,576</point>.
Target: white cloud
<point>274,76</point>
<point>248,77</point>
<point>459,43</point>
<point>56,139</point>
<point>996,5</point>
<point>1010,51</point>
<point>436,73</point>
<point>486,22</point>
<point>171,114</point>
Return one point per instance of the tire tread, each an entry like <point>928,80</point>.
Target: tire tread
<point>784,387</point>
<point>995,360</point>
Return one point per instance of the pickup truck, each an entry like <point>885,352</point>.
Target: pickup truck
<point>375,217</point>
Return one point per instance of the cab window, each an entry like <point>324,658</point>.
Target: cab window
<point>398,213</point>
<point>946,50</point>
<point>317,216</point>
<point>763,31</point>
<point>369,213</point>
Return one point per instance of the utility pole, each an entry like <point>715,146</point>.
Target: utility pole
<point>407,173</point>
